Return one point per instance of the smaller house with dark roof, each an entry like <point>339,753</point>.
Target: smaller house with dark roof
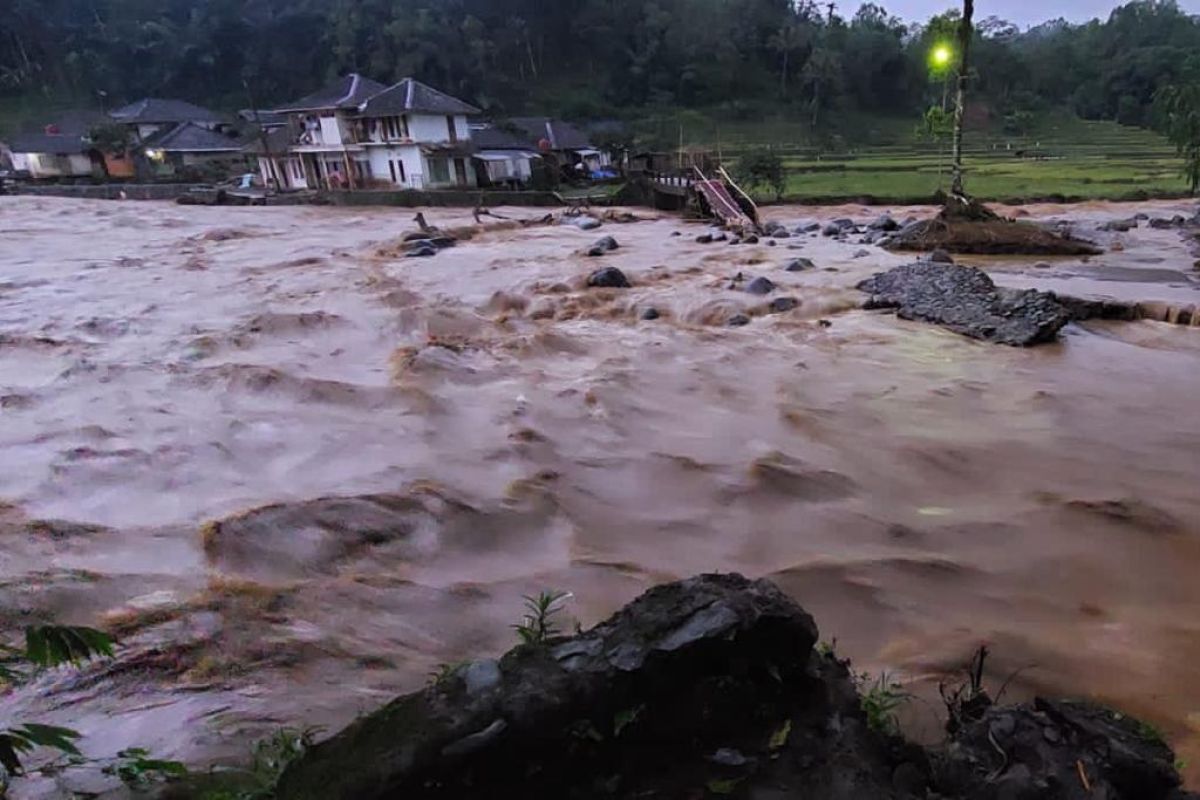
<point>356,133</point>
<point>568,143</point>
<point>50,155</point>
<point>152,115</point>
<point>503,155</point>
<point>60,149</point>
<point>190,145</point>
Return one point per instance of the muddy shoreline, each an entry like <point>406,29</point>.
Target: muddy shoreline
<point>486,426</point>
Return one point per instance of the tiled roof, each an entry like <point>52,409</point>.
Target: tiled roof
<point>499,138</point>
<point>348,91</point>
<point>561,135</point>
<point>156,110</point>
<point>47,143</point>
<point>412,96</point>
<point>186,137</point>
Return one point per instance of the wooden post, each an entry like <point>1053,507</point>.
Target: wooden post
<point>964,45</point>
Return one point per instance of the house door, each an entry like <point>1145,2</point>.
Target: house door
<point>460,171</point>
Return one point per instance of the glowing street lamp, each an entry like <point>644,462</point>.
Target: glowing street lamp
<point>941,56</point>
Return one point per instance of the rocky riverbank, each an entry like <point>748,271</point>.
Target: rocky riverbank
<point>707,687</point>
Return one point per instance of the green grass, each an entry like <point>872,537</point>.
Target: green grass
<point>884,159</point>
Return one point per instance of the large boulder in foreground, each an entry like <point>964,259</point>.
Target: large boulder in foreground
<point>694,684</point>
<point>709,686</point>
<point>965,300</point>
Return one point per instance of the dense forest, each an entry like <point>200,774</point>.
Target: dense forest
<point>588,58</point>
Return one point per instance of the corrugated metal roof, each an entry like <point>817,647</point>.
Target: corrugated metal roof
<point>412,96</point>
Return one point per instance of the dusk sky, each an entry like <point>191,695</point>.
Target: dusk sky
<point>1022,12</point>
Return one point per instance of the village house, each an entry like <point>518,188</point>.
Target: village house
<point>570,145</point>
<point>174,135</point>
<point>503,157</point>
<point>357,133</point>
<point>61,149</point>
<point>152,116</point>
<point>160,138</point>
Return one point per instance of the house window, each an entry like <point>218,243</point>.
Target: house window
<point>395,127</point>
<point>296,173</point>
<point>400,166</point>
<point>451,128</point>
<point>392,169</point>
<point>439,170</point>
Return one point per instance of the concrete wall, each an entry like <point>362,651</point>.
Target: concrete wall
<point>430,128</point>
<point>47,165</point>
<point>109,191</point>
<point>449,198</point>
<point>408,155</point>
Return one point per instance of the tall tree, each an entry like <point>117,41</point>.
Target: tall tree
<point>965,32</point>
<point>1178,108</point>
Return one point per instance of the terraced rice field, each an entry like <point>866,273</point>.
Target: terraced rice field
<point>1064,157</point>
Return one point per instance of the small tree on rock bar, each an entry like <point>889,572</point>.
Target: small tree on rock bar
<point>960,104</point>
<point>960,205</point>
<point>1178,109</point>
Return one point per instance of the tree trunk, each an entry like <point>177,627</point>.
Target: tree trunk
<point>960,107</point>
<point>784,76</point>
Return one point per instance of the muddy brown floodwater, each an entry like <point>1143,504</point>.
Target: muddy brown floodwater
<point>193,398</point>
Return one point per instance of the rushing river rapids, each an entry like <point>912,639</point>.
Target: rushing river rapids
<point>295,471</point>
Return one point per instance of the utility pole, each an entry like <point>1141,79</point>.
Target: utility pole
<point>831,7</point>
<point>263,138</point>
<point>964,46</point>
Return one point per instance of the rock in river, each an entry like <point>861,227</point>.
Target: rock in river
<point>799,265</point>
<point>703,685</point>
<point>602,246</point>
<point>965,300</point>
<point>760,285</point>
<point>608,278</point>
<point>584,223</point>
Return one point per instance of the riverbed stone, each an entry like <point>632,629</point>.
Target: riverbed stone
<point>966,300</point>
<point>604,245</point>
<point>799,265</point>
<point>584,223</point>
<point>760,285</point>
<point>608,278</point>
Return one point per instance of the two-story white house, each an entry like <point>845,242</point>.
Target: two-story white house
<point>357,133</point>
